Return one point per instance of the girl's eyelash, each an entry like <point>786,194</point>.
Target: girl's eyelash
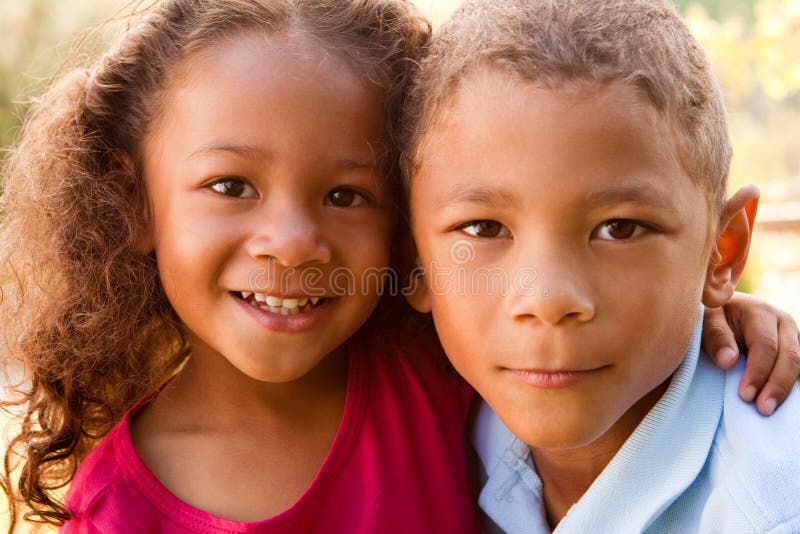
<point>493,228</point>
<point>365,196</point>
<point>239,186</point>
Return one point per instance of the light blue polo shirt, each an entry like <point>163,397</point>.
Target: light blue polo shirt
<point>702,460</point>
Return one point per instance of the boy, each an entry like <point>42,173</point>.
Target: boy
<point>567,165</point>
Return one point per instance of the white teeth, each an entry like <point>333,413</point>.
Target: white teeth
<point>289,303</point>
<point>281,306</point>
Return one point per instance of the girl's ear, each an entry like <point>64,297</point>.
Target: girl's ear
<point>417,293</point>
<point>733,244</point>
<point>143,240</point>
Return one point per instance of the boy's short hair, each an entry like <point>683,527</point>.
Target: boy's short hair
<point>550,42</point>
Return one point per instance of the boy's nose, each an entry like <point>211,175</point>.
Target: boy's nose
<point>556,293</point>
<point>291,237</point>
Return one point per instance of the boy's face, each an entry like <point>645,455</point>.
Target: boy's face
<point>565,252</point>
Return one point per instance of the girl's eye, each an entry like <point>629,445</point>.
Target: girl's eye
<point>485,229</point>
<point>345,198</point>
<point>234,187</point>
<point>619,229</point>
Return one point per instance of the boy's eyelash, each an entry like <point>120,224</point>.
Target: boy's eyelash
<point>640,228</point>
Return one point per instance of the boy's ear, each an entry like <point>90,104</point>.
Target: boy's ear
<point>730,250</point>
<point>418,294</point>
<point>143,240</point>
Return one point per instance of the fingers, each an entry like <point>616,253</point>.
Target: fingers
<point>786,369</point>
<point>760,335</point>
<point>718,339</point>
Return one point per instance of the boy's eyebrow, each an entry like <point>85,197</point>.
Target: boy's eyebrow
<point>474,194</point>
<point>630,194</point>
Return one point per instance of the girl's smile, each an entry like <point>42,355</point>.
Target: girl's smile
<point>278,305</point>
<point>286,316</point>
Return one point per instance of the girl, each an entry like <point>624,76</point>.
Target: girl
<point>211,199</point>
<point>193,227</point>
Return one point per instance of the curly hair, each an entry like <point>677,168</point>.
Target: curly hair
<point>85,320</point>
<point>551,43</point>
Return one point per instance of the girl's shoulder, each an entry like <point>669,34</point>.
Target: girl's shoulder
<point>97,474</point>
<point>112,483</point>
<point>100,492</point>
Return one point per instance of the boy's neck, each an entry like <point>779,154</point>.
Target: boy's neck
<point>566,474</point>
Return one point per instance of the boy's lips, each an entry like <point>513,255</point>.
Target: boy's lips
<point>553,378</point>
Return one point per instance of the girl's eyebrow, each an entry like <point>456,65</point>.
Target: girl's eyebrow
<point>352,163</point>
<point>240,150</point>
<point>256,151</point>
<point>467,193</point>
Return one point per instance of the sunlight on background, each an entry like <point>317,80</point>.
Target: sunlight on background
<point>754,47</point>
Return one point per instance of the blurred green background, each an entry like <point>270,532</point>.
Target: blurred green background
<point>754,46</point>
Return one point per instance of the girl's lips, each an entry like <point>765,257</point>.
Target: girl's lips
<point>551,379</point>
<point>288,324</point>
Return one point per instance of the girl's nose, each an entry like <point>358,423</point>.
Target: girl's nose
<point>291,237</point>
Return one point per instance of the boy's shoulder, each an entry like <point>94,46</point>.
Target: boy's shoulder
<point>755,458</point>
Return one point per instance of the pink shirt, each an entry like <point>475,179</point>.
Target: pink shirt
<point>397,464</point>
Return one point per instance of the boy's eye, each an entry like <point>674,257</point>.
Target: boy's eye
<point>485,229</point>
<point>619,229</point>
<point>345,198</point>
<point>234,187</point>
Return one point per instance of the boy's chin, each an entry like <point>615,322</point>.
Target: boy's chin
<point>563,437</point>
<point>563,431</point>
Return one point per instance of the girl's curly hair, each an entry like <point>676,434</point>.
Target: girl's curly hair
<point>86,325</point>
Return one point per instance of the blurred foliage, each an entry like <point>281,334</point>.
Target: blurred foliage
<point>758,64</point>
<point>36,36</point>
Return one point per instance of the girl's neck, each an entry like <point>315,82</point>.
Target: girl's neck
<point>566,474</point>
<point>212,422</point>
<point>209,384</point>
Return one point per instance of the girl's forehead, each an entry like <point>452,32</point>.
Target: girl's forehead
<point>272,54</point>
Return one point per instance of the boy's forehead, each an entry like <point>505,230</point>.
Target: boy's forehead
<point>495,109</point>
<point>497,125</point>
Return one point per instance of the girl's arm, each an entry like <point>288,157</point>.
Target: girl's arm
<point>771,340</point>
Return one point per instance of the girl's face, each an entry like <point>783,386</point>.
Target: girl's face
<point>264,186</point>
